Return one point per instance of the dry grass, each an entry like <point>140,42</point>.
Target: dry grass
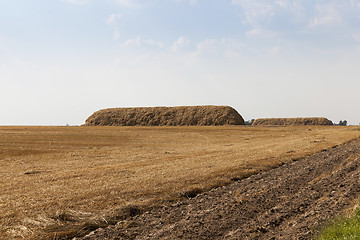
<point>166,116</point>
<point>293,121</point>
<point>69,180</point>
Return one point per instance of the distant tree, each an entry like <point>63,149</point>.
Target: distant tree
<point>249,122</point>
<point>342,123</point>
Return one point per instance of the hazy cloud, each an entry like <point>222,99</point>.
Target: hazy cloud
<point>259,32</point>
<point>232,47</point>
<point>269,18</point>
<point>232,43</point>
<point>192,2</point>
<point>336,13</point>
<point>135,3</point>
<point>180,43</point>
<point>356,37</point>
<point>327,15</point>
<point>124,2</point>
<point>226,46</point>
<point>266,18</point>
<point>275,50</point>
<point>256,13</point>
<point>113,18</point>
<point>355,3</point>
<point>138,42</point>
<point>259,13</point>
<point>113,21</point>
<point>207,46</point>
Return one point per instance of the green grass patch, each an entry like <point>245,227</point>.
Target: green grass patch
<point>344,228</point>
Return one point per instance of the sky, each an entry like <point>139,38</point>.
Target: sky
<point>62,60</point>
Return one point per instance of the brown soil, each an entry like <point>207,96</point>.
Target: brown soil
<point>288,202</point>
<point>166,116</point>
<point>293,121</point>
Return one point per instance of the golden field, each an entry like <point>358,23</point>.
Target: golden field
<point>53,180</point>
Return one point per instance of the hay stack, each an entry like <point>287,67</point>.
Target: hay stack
<point>166,116</point>
<point>293,121</point>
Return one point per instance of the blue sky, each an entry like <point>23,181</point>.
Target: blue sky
<point>61,60</point>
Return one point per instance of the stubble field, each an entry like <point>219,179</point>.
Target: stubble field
<point>61,181</point>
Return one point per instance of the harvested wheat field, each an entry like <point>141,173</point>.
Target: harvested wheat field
<point>293,201</point>
<point>293,121</point>
<point>62,182</point>
<point>166,116</point>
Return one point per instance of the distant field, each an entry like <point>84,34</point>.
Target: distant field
<point>64,176</point>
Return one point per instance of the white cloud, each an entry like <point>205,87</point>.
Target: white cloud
<point>232,43</point>
<point>327,15</point>
<point>335,13</point>
<point>295,10</point>
<point>259,32</point>
<point>180,43</point>
<point>138,42</point>
<point>290,5</point>
<point>232,46</point>
<point>282,3</point>
<point>275,18</point>
<point>113,18</point>
<point>207,46</point>
<point>267,17</point>
<point>256,12</point>
<point>113,21</point>
<point>135,42</point>
<point>260,12</point>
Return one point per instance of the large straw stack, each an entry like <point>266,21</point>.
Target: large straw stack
<point>166,116</point>
<point>293,121</point>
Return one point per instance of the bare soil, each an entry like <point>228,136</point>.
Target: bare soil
<point>292,201</point>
